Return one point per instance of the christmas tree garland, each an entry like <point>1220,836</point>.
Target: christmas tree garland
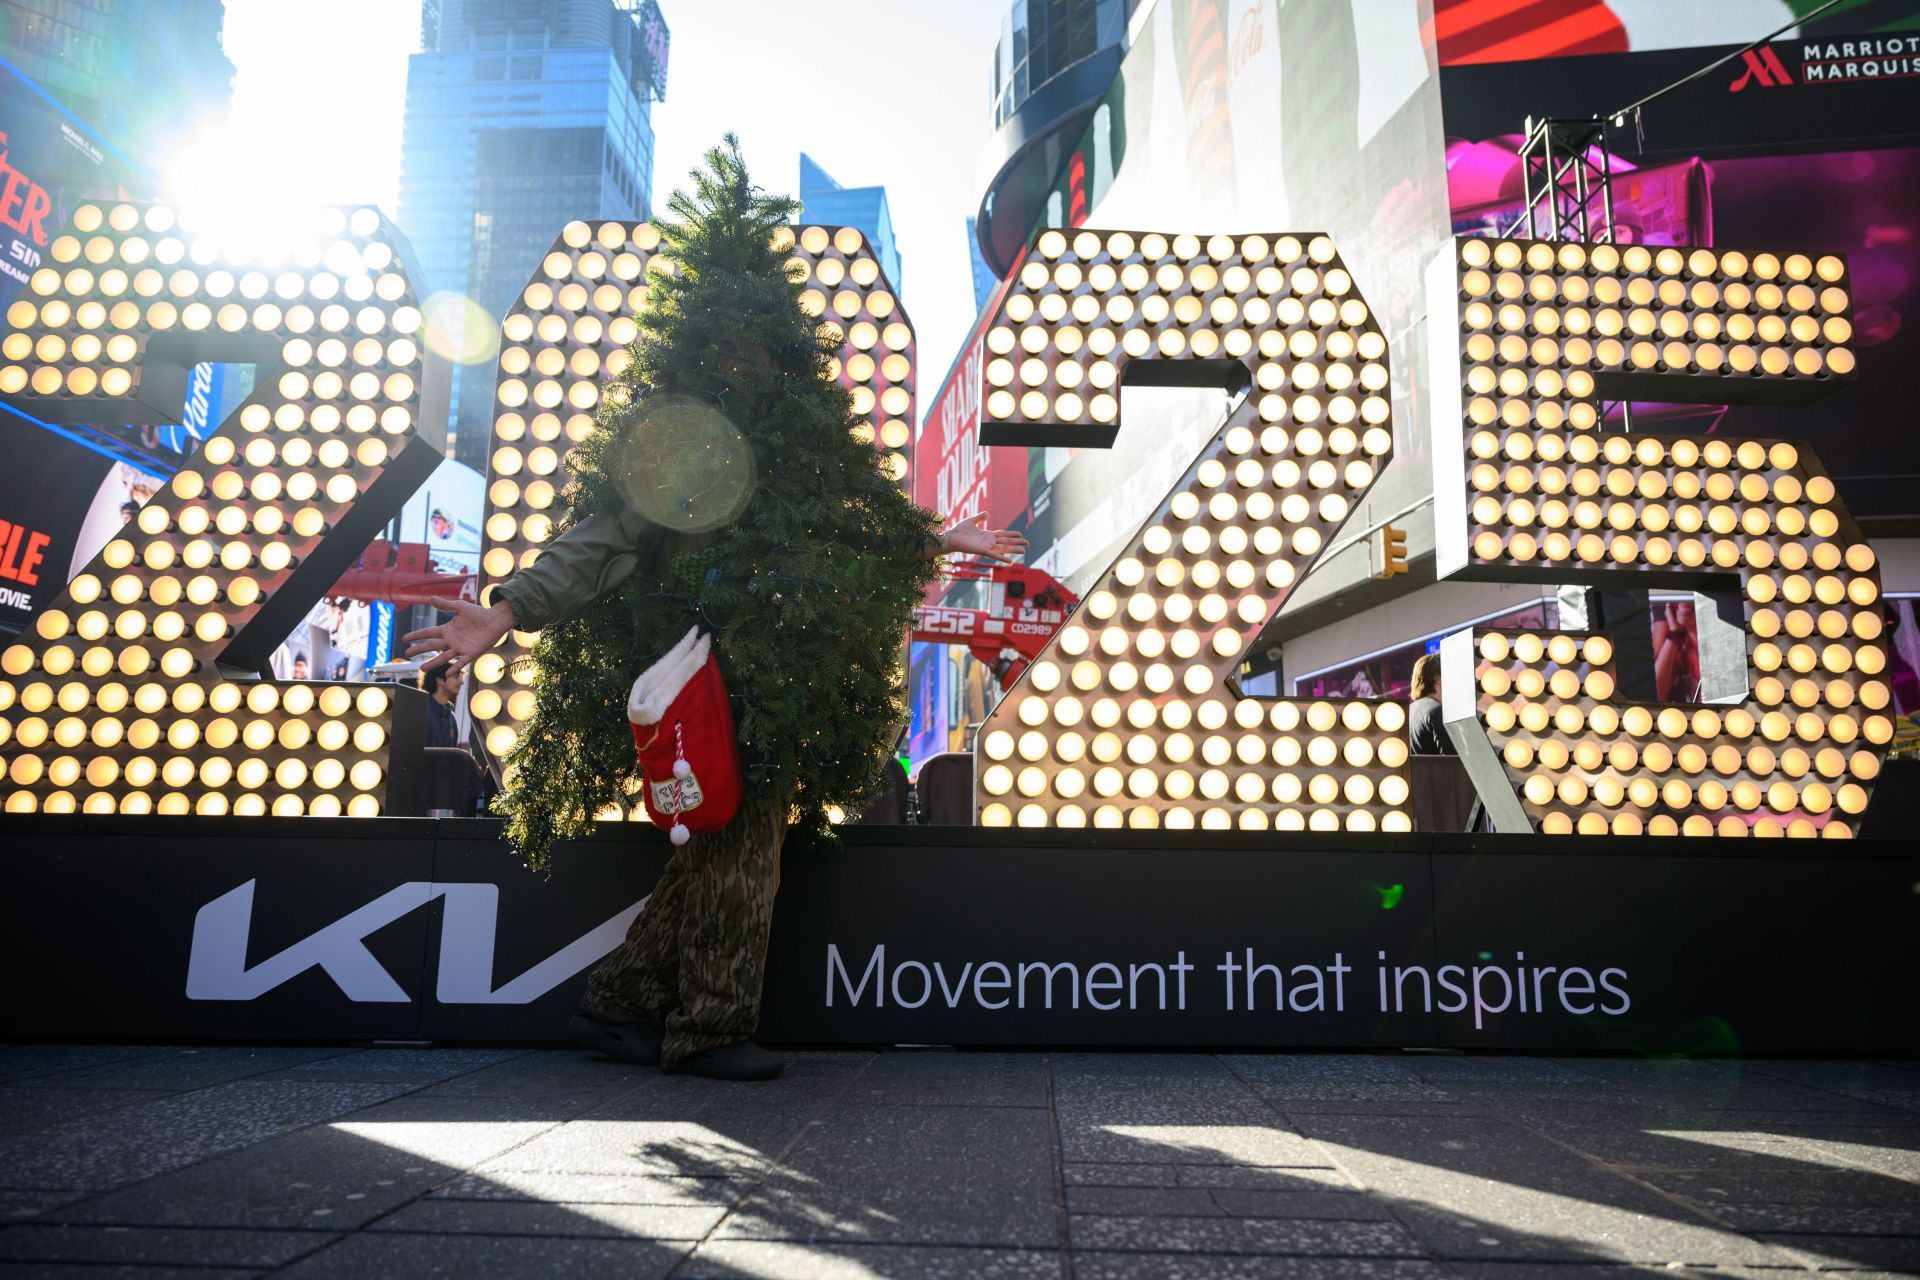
<point>808,589</point>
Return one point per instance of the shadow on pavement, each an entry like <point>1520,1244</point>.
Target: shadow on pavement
<point>327,1161</point>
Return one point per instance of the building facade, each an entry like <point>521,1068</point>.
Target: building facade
<point>1257,115</point>
<point>520,117</point>
<point>95,97</point>
<point>825,201</point>
<point>144,74</point>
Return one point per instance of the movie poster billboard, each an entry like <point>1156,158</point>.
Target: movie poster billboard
<point>43,522</point>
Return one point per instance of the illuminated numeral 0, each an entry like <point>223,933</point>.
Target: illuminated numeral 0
<point>1528,488</point>
<point>119,697</point>
<point>1127,717</point>
<point>571,328</point>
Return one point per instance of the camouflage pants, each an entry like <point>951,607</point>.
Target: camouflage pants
<point>694,960</point>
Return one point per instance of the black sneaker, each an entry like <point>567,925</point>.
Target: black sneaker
<point>633,1042</point>
<point>741,1060</point>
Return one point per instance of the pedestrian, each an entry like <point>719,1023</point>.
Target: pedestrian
<point>441,683</point>
<point>721,489</point>
<point>1426,728</point>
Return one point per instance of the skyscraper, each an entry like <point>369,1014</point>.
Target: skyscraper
<point>145,74</point>
<point>865,208</point>
<point>521,116</point>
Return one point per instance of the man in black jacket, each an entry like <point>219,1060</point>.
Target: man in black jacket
<point>441,683</point>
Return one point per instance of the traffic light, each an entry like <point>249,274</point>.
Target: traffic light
<point>1393,551</point>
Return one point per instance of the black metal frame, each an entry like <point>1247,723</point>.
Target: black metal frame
<point>1566,171</point>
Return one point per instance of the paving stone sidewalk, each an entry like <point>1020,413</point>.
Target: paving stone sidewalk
<point>468,1163</point>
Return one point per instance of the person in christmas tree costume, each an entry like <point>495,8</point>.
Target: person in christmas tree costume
<point>721,487</point>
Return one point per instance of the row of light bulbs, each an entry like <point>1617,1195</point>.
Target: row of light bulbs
<point>1313,342</point>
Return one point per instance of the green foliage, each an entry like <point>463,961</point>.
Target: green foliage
<point>808,591</point>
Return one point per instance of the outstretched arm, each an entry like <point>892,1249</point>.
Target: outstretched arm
<point>574,570</point>
<point>972,538</point>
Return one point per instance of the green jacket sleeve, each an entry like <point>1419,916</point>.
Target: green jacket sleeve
<point>578,567</point>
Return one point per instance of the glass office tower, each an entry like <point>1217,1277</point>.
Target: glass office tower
<point>827,202</point>
<point>521,116</point>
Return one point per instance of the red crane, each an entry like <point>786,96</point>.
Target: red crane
<point>402,574</point>
<point>1024,608</point>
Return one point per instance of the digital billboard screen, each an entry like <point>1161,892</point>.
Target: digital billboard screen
<point>1810,143</point>
<point>60,502</point>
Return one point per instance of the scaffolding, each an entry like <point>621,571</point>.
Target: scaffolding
<point>1567,181</point>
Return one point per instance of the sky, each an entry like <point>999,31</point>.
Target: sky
<point>890,92</point>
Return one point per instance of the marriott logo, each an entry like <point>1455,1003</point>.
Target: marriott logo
<point>1763,68</point>
<point>1830,61</point>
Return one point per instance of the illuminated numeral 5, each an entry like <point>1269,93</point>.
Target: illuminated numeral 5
<point>570,330</point>
<point>118,700</point>
<point>1528,488</point>
<point>1128,718</point>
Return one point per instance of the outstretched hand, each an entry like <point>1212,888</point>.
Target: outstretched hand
<point>972,538</point>
<point>471,631</point>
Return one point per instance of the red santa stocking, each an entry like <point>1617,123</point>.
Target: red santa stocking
<point>683,730</point>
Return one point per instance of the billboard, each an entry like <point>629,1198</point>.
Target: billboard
<point>60,503</point>
<point>952,473</point>
<point>444,514</point>
<point>1727,159</point>
<point>949,691</point>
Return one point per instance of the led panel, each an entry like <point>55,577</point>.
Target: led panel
<point>1128,718</point>
<point>1530,488</point>
<point>571,330</point>
<point>117,700</point>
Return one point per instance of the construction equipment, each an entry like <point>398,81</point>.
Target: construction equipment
<point>1024,608</point>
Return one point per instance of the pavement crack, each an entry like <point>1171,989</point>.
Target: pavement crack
<point>1674,1198</point>
<point>1056,1148</point>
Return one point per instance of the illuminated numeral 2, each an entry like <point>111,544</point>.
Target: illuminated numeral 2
<point>1127,718</point>
<point>117,700</point>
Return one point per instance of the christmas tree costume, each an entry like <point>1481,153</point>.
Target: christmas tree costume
<point>721,487</point>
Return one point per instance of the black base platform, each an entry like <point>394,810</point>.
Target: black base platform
<point>417,929</point>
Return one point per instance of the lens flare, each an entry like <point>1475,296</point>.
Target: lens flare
<point>460,329</point>
<point>684,465</point>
